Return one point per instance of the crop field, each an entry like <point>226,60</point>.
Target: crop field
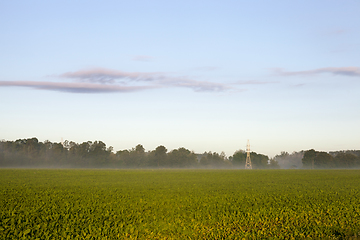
<point>179,204</point>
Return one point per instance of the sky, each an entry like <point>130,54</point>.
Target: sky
<point>204,75</point>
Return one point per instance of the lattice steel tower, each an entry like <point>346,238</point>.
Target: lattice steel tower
<point>248,160</point>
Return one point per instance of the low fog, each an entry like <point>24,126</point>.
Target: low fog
<point>30,153</point>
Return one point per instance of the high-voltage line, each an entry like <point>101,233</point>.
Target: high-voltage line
<point>248,160</point>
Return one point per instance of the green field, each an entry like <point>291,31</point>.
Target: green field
<point>179,204</point>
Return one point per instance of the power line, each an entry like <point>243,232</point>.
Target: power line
<point>248,160</point>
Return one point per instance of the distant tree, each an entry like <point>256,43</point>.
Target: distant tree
<point>56,154</point>
<point>214,159</point>
<point>204,160</point>
<point>182,158</point>
<point>345,160</point>
<point>239,158</point>
<point>136,157</point>
<point>79,154</point>
<point>323,160</point>
<point>82,153</point>
<point>286,160</point>
<point>273,164</point>
<point>99,154</point>
<point>29,150</point>
<point>123,157</point>
<point>140,156</point>
<point>314,159</point>
<point>32,147</point>
<point>354,152</point>
<point>2,153</point>
<point>158,157</point>
<point>72,149</point>
<point>259,161</point>
<point>308,159</point>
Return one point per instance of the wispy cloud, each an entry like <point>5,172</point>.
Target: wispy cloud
<point>198,86</point>
<point>74,87</point>
<point>157,79</point>
<point>344,71</point>
<point>143,58</point>
<point>254,82</point>
<point>101,80</point>
<point>107,76</point>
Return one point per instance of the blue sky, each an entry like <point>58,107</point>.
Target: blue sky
<point>204,75</point>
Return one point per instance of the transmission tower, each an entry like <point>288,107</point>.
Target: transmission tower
<point>248,160</point>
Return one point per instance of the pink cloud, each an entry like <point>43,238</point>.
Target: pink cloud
<point>253,82</point>
<point>108,76</point>
<point>198,86</point>
<point>344,71</point>
<point>159,79</point>
<point>74,87</point>
<point>101,80</point>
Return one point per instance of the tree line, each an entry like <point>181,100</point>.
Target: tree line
<point>33,153</point>
<point>341,159</point>
<point>312,159</point>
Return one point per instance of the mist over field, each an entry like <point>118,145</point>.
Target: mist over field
<point>24,153</point>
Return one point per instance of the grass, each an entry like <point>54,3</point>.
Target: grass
<point>179,204</point>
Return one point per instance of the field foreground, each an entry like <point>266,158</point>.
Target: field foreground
<point>179,204</point>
